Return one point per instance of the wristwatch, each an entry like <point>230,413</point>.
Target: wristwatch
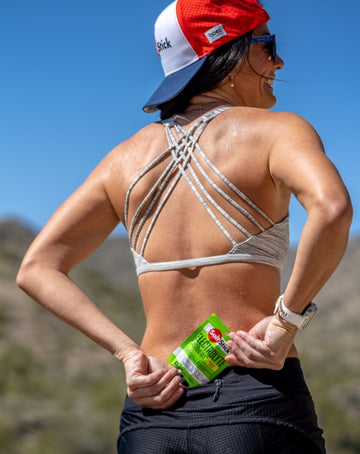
<point>299,320</point>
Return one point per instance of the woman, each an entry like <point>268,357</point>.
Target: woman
<point>205,196</point>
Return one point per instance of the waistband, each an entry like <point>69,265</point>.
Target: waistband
<point>237,384</point>
<point>238,395</point>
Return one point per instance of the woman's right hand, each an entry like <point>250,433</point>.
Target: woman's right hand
<point>149,383</point>
<point>266,345</point>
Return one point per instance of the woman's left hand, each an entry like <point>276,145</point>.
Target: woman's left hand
<point>266,345</point>
<point>149,383</point>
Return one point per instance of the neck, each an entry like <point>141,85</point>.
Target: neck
<point>198,106</point>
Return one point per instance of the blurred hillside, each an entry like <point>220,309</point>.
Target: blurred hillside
<point>62,394</point>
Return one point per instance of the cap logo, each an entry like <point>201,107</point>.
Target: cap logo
<point>162,45</point>
<point>215,33</point>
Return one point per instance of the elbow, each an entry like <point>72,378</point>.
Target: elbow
<point>22,277</point>
<point>25,277</point>
<point>343,213</point>
<point>337,213</point>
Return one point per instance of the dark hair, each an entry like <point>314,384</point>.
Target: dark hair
<point>217,66</point>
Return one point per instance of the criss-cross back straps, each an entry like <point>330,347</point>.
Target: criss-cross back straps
<point>182,150</point>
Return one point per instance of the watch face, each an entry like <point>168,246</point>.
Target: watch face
<point>309,314</point>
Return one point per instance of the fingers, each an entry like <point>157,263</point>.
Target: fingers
<point>148,385</point>
<point>142,380</point>
<point>250,352</point>
<point>158,390</point>
<point>166,398</point>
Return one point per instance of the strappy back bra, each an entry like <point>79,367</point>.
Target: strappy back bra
<point>269,246</point>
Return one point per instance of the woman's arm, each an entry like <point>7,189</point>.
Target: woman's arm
<point>75,231</point>
<point>298,164</point>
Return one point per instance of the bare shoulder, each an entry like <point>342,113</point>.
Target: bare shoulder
<point>268,120</point>
<point>297,158</point>
<point>125,158</point>
<point>134,145</point>
<point>291,128</point>
<point>124,162</point>
<point>264,125</point>
<point>280,132</point>
<point>292,134</point>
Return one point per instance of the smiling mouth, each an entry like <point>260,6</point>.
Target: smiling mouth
<point>269,82</point>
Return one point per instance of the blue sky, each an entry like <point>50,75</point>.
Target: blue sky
<point>75,74</point>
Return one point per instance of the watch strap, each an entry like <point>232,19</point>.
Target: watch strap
<point>301,321</point>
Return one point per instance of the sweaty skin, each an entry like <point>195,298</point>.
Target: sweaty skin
<point>269,156</point>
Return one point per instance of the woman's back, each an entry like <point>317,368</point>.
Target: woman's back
<point>196,220</point>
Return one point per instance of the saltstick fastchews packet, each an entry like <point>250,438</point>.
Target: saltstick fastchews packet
<point>201,356</point>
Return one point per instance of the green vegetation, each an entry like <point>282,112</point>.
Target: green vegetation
<point>62,394</point>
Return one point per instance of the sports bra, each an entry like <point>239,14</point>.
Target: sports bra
<point>270,246</point>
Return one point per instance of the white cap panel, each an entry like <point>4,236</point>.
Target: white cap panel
<point>174,49</point>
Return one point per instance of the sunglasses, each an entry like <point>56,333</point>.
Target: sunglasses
<point>270,43</point>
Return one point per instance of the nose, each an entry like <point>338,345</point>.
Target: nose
<point>278,63</point>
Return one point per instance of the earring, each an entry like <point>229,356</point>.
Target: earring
<point>231,81</point>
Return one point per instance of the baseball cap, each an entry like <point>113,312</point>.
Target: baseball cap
<point>187,31</point>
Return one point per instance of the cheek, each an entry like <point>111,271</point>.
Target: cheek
<point>261,63</point>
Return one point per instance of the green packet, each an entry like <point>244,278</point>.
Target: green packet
<point>201,356</point>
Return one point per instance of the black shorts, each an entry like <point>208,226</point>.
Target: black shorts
<point>242,411</point>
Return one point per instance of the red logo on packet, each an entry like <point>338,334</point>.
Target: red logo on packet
<point>215,335</point>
